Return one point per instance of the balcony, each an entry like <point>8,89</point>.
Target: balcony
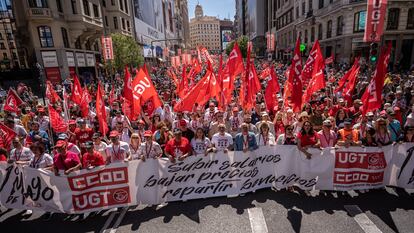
<point>39,14</point>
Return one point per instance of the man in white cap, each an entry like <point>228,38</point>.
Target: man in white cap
<point>265,118</point>
<point>327,136</point>
<point>149,149</point>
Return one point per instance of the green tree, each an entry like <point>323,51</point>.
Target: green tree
<point>242,42</point>
<point>126,52</point>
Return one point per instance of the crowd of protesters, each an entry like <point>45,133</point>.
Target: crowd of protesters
<point>327,120</point>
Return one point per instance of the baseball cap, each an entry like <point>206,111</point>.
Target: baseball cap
<point>96,135</point>
<point>88,145</point>
<point>60,143</point>
<point>141,122</point>
<point>114,133</point>
<point>63,136</point>
<point>148,133</point>
<point>183,123</point>
<point>327,122</point>
<point>264,114</point>
<point>81,121</point>
<point>348,121</point>
<point>72,122</point>
<point>369,114</point>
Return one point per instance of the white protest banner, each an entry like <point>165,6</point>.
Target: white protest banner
<point>217,174</point>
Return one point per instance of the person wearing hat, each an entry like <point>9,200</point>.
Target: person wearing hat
<point>178,148</point>
<point>69,145</point>
<point>347,135</point>
<point>235,120</point>
<point>149,149</point>
<point>140,129</point>
<point>38,135</point>
<point>83,134</point>
<point>245,140</point>
<point>64,161</point>
<point>209,114</point>
<point>117,151</point>
<point>327,137</point>
<point>99,145</point>
<point>399,100</point>
<point>91,158</point>
<point>43,119</point>
<point>17,128</point>
<point>266,119</point>
<point>394,126</point>
<point>297,126</point>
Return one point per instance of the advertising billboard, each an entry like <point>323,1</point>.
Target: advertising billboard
<point>226,37</point>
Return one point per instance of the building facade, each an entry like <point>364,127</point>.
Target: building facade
<point>205,30</point>
<point>182,22</point>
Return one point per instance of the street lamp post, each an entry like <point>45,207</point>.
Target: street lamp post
<point>42,80</point>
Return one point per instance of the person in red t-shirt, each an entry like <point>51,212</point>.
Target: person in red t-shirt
<point>83,134</point>
<point>91,158</point>
<point>307,138</point>
<point>178,147</point>
<point>64,160</point>
<point>3,154</point>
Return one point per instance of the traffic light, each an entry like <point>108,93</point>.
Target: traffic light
<point>373,53</point>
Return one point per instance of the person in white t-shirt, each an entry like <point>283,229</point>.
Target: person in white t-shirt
<point>20,154</point>
<point>40,158</point>
<point>222,141</point>
<point>117,151</point>
<point>149,149</point>
<point>134,145</point>
<point>200,143</point>
<point>99,145</point>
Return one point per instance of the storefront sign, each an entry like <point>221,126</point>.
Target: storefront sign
<point>71,59</point>
<point>53,75</point>
<point>90,59</point>
<point>80,58</point>
<point>49,59</point>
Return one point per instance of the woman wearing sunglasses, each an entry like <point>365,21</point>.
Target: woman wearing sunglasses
<point>307,138</point>
<point>287,138</point>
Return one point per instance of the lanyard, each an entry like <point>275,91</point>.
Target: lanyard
<point>117,154</point>
<point>246,142</point>
<point>35,163</point>
<point>327,140</point>
<point>147,152</point>
<point>18,155</point>
<point>265,139</point>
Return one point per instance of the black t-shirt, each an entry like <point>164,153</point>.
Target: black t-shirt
<point>189,134</point>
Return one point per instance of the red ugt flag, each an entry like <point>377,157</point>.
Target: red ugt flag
<point>56,121</point>
<point>317,81</point>
<point>6,136</point>
<point>76,96</point>
<point>294,79</point>
<point>13,102</point>
<point>51,93</point>
<point>100,111</point>
<point>143,90</point>
<point>272,89</point>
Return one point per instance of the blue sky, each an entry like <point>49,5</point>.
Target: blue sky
<point>221,8</point>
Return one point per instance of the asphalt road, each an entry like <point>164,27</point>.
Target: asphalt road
<point>378,211</point>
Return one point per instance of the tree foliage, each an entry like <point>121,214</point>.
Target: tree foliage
<point>126,52</point>
<point>242,42</point>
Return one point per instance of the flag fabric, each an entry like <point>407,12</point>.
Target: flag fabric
<point>51,93</point>
<point>372,97</point>
<point>350,85</point>
<point>205,89</point>
<point>314,61</point>
<point>112,97</point>
<point>84,104</point>
<point>195,69</point>
<point>329,60</point>
<point>101,111</point>
<point>127,85</point>
<point>250,85</point>
<point>234,66</point>
<point>6,136</point>
<point>183,87</point>
<point>76,96</point>
<point>317,65</point>
<point>13,102</point>
<point>344,79</point>
<point>171,74</point>
<point>143,90</point>
<point>294,79</point>
<point>265,73</point>
<point>272,89</point>
<point>57,123</point>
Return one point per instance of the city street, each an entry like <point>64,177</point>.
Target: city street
<point>387,210</point>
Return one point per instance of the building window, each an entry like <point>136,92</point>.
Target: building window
<point>106,21</point>
<point>306,36</point>
<point>78,43</point>
<point>320,34</point>
<point>86,8</point>
<point>339,25</point>
<point>2,46</point>
<point>128,26</point>
<point>121,4</point>
<point>320,4</point>
<point>95,10</point>
<point>113,2</point>
<point>115,22</point>
<point>410,19</point>
<point>5,56</point>
<point>126,6</point>
<point>1,36</point>
<point>310,5</point>
<point>297,12</point>
<point>359,21</point>
<point>38,3</point>
<point>329,29</point>
<point>312,37</point>
<point>45,36</point>
<point>65,37</point>
<point>103,3</point>
<point>88,45</point>
<point>73,4</point>
<point>14,56</point>
<point>123,23</point>
<point>393,16</point>
<point>303,7</point>
<point>59,6</point>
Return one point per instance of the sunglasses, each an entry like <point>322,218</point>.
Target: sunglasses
<point>307,125</point>
<point>134,137</point>
<point>328,126</point>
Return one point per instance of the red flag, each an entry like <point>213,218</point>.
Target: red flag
<point>6,136</point>
<point>51,93</point>
<point>76,96</point>
<point>342,81</point>
<point>112,96</point>
<point>56,121</point>
<point>101,111</point>
<point>317,81</point>
<point>265,73</point>
<point>205,89</point>
<point>143,90</point>
<point>250,85</point>
<point>329,60</point>
<point>195,69</point>
<point>272,89</point>
<point>84,104</point>
<point>127,85</point>
<point>235,61</point>
<point>372,98</point>
<point>144,68</point>
<point>350,85</point>
<point>171,74</point>
<point>183,87</point>
<point>13,102</point>
<point>315,55</point>
<point>294,79</point>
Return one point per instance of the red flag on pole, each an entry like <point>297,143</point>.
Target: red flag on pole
<point>372,98</point>
<point>86,99</point>
<point>76,96</point>
<point>100,111</point>
<point>143,90</point>
<point>250,85</point>
<point>317,81</point>
<point>350,85</point>
<point>294,79</point>
<point>6,136</point>
<point>344,79</point>
<point>56,121</point>
<point>51,93</point>
<point>127,85</point>
<point>13,102</point>
<point>315,55</point>
<point>272,89</point>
